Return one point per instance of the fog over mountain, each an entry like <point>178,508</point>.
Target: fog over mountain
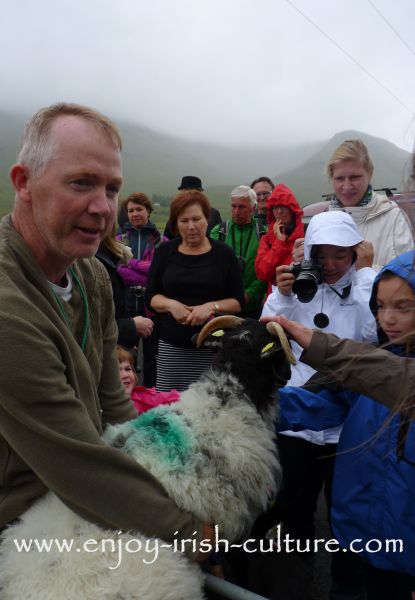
<point>235,73</point>
<point>154,163</point>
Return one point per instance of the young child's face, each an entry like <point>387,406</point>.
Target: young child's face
<point>128,376</point>
<point>396,309</point>
<point>335,260</point>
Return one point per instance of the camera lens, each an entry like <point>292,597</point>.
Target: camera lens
<point>305,287</point>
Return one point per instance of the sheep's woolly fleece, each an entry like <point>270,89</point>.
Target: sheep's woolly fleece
<point>216,459</point>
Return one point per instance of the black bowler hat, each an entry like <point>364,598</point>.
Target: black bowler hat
<point>191,183</point>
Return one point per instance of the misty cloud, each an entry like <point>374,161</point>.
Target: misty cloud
<point>234,72</point>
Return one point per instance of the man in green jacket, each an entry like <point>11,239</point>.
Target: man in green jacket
<point>59,377</point>
<point>242,233</point>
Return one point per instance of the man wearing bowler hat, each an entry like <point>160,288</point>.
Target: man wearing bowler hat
<point>190,182</point>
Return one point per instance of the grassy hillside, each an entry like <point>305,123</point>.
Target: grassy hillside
<point>154,163</point>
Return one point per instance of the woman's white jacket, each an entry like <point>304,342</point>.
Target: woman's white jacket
<point>384,224</point>
<point>348,318</point>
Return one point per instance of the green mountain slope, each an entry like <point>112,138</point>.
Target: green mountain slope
<point>154,163</point>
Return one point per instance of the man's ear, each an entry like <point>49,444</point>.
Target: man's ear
<point>20,180</point>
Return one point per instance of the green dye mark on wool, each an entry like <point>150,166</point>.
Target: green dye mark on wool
<point>166,433</point>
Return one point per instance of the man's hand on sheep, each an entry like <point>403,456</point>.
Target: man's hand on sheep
<point>301,334</point>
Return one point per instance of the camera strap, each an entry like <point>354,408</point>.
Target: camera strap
<point>321,320</point>
<point>345,293</point>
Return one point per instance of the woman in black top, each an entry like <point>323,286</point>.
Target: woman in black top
<point>191,279</point>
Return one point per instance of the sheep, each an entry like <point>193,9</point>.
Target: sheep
<point>219,462</point>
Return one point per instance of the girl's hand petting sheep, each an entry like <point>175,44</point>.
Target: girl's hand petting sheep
<point>301,334</point>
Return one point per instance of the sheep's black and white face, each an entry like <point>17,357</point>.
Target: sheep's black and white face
<point>254,356</point>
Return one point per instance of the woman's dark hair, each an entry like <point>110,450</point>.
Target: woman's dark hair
<point>182,201</point>
<point>138,198</point>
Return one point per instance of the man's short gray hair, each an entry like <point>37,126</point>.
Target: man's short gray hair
<point>244,191</point>
<point>37,145</point>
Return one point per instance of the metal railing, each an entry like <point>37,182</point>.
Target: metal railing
<point>229,591</point>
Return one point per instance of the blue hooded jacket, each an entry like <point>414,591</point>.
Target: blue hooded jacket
<point>373,498</point>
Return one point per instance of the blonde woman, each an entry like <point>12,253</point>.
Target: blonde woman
<point>379,219</point>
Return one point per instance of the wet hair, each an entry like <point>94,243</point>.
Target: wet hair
<point>38,144</point>
<point>182,201</point>
<point>350,150</point>
<point>138,198</point>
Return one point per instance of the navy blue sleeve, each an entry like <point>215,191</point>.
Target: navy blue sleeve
<point>127,333</point>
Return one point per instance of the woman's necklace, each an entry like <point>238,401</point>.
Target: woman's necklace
<point>86,309</point>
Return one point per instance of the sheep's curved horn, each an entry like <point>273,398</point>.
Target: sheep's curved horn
<point>223,322</point>
<point>276,330</point>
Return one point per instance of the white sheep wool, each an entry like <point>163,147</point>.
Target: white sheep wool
<point>216,458</point>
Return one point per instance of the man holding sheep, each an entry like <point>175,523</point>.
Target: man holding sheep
<point>59,381</point>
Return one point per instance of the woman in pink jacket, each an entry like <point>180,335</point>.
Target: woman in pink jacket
<point>284,227</point>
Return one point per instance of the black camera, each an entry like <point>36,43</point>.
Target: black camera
<point>138,290</point>
<point>309,275</point>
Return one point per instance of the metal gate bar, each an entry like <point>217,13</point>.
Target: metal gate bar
<point>229,590</point>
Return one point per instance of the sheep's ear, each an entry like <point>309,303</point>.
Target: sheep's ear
<point>270,349</point>
<point>213,340</point>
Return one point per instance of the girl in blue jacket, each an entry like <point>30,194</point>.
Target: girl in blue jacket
<point>373,497</point>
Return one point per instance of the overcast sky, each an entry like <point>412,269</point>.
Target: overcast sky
<point>230,71</point>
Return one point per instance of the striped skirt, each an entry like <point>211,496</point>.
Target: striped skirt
<point>177,367</point>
